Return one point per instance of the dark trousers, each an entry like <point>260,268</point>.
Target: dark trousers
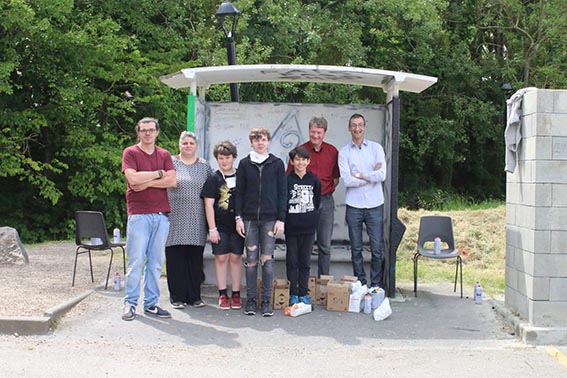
<point>259,241</point>
<point>298,259</point>
<point>373,219</point>
<point>325,234</point>
<point>184,266</point>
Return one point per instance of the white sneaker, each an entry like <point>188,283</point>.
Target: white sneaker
<point>129,312</point>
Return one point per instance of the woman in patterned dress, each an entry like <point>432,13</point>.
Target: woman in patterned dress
<point>188,226</point>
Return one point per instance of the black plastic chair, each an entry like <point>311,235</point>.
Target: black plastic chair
<point>431,227</point>
<point>90,227</point>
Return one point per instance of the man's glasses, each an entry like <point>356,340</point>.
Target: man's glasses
<point>147,131</point>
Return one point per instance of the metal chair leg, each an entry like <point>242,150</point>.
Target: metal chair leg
<point>461,264</point>
<point>75,266</point>
<point>415,258</point>
<point>109,267</point>
<point>91,265</point>
<point>456,275</point>
<point>458,269</point>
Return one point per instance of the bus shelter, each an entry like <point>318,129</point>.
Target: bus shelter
<point>288,122</point>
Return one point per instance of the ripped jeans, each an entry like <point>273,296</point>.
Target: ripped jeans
<point>259,244</point>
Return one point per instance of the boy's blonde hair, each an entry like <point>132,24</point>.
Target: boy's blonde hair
<point>259,132</point>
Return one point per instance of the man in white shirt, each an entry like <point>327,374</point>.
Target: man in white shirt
<point>362,164</point>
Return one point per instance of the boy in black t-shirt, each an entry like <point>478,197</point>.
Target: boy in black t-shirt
<point>302,218</point>
<point>218,194</point>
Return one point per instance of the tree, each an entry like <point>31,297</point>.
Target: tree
<point>75,76</point>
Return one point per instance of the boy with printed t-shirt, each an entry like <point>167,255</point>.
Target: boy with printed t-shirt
<point>218,195</point>
<point>304,198</point>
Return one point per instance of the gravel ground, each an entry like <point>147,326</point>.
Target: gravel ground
<point>30,290</point>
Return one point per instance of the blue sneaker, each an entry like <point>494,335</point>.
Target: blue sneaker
<point>157,311</point>
<point>305,299</point>
<point>293,299</point>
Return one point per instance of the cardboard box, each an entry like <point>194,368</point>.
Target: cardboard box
<point>349,279</point>
<point>321,290</point>
<point>338,294</point>
<point>259,293</point>
<point>312,287</point>
<point>280,294</point>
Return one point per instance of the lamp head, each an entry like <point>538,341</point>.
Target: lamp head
<point>227,11</point>
<point>507,87</point>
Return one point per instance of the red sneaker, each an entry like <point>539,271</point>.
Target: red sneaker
<point>224,302</point>
<point>236,302</point>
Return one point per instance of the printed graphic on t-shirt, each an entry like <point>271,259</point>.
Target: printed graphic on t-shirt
<point>301,199</point>
<point>224,197</point>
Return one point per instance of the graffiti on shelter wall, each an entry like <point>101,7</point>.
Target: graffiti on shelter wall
<point>288,123</point>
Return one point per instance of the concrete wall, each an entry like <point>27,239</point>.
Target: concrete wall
<point>288,123</point>
<point>536,214</point>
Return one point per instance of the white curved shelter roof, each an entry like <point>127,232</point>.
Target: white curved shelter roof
<point>391,82</point>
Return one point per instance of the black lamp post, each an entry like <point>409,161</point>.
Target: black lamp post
<point>226,14</point>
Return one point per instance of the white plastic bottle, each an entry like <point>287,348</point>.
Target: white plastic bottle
<point>116,233</point>
<point>437,245</point>
<point>477,293</point>
<point>117,283</point>
<point>367,304</point>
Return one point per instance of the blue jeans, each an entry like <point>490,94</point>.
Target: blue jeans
<point>259,241</point>
<point>373,219</point>
<point>146,236</point>
<point>325,234</point>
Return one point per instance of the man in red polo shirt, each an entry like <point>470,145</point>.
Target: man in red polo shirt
<point>324,165</point>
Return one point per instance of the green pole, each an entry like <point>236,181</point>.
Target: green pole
<point>191,113</point>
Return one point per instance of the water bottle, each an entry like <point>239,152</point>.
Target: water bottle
<point>367,304</point>
<point>437,246</point>
<point>117,280</point>
<point>116,235</point>
<point>477,293</point>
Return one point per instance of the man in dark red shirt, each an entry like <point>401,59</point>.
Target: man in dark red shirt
<point>149,172</point>
<point>324,165</point>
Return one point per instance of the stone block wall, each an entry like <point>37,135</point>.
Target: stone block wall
<point>536,213</point>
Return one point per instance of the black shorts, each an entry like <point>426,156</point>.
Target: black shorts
<point>229,243</point>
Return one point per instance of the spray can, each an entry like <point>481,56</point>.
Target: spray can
<point>117,280</point>
<point>477,293</point>
<point>367,304</point>
<point>116,233</point>
<point>437,246</point>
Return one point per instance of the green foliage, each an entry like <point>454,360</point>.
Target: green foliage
<point>76,75</point>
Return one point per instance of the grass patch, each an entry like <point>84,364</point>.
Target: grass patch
<point>442,200</point>
<point>480,234</point>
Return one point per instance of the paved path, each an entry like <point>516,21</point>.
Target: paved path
<point>434,335</point>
